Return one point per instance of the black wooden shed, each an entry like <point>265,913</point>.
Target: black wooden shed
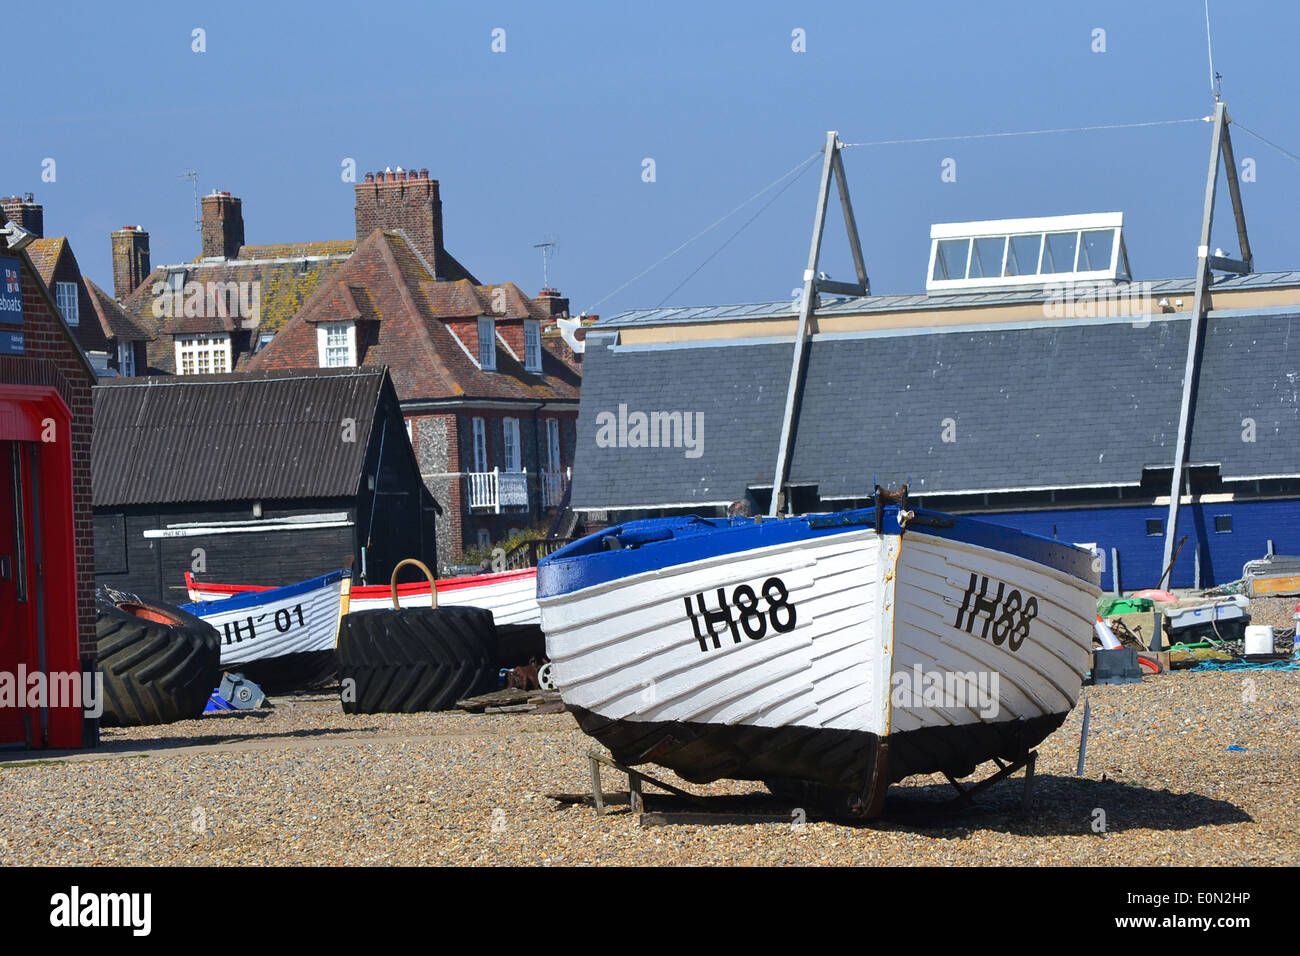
<point>264,478</point>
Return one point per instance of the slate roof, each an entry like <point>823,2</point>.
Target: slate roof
<point>234,437</point>
<point>1078,403</point>
<point>286,281</point>
<point>389,285</point>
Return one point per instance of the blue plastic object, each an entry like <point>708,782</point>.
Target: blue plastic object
<point>217,704</point>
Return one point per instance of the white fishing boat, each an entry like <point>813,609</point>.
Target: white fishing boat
<point>828,655</point>
<point>282,637</point>
<point>847,651</point>
<point>511,596</point>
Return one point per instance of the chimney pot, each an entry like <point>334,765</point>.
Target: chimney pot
<point>370,177</point>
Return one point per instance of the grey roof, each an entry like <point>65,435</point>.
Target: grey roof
<point>237,437</point>
<point>961,300</point>
<point>1042,405</point>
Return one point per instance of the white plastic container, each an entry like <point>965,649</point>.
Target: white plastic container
<point>1259,639</point>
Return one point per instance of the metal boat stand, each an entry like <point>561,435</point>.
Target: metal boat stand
<point>636,799</point>
<point>965,795</point>
<point>635,780</point>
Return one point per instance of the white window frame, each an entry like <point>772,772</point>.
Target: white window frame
<point>479,429</point>
<point>553,456</point>
<point>532,345</point>
<point>1041,228</point>
<point>329,353</point>
<point>511,446</point>
<point>126,359</point>
<point>203,354</point>
<point>487,343</point>
<point>68,303</point>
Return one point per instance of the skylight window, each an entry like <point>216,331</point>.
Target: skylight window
<point>1021,252</point>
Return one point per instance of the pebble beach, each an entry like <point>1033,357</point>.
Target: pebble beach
<point>1184,768</point>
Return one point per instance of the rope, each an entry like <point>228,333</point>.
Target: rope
<point>1026,132</point>
<point>796,169</point>
<point>1287,153</point>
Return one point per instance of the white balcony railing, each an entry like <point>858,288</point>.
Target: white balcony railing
<point>553,485</point>
<point>496,489</point>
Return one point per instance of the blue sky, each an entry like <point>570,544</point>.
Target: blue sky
<point>548,138</point>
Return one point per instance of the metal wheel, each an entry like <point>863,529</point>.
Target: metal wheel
<point>545,677</point>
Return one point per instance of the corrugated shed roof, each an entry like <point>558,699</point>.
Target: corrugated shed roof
<point>237,437</point>
<point>913,301</point>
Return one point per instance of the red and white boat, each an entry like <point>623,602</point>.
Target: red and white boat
<point>511,596</point>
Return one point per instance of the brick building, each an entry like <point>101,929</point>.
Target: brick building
<point>488,387</point>
<point>114,343</point>
<point>46,535</point>
<point>210,315</point>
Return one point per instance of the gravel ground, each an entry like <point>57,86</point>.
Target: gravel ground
<point>306,784</point>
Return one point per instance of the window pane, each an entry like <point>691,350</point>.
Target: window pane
<point>1097,246</point>
<point>986,261</point>
<point>950,262</point>
<point>487,346</point>
<point>1059,254</point>
<point>480,445</point>
<point>1022,257</point>
<point>511,429</point>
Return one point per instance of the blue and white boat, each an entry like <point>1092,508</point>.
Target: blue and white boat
<point>283,638</point>
<point>844,651</point>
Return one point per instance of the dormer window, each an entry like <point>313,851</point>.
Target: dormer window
<point>66,299</point>
<point>487,343</point>
<point>532,345</point>
<point>202,354</point>
<point>336,343</point>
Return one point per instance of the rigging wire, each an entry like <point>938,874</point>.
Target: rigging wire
<point>1027,132</point>
<point>798,168</point>
<point>1267,142</point>
<point>744,226</point>
<point>1210,50</point>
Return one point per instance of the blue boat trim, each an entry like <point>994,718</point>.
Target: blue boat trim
<point>655,544</point>
<point>258,598</point>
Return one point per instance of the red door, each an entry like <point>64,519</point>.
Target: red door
<point>16,598</point>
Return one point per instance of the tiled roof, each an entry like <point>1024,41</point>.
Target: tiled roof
<point>388,284</point>
<point>298,250</point>
<point>283,285</point>
<point>44,254</point>
<point>112,317</point>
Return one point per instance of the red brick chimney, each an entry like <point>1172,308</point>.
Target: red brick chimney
<point>130,260</point>
<point>27,212</point>
<point>404,200</point>
<point>223,225</point>
<point>554,303</point>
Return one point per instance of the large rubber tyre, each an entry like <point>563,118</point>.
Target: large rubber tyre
<point>415,659</point>
<point>160,663</point>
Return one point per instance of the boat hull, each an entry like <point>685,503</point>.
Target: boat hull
<point>830,653</point>
<point>511,596</point>
<point>286,635</point>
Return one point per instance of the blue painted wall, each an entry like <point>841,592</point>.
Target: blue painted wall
<point>1222,555</point>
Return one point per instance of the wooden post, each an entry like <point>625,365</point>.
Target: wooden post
<point>1114,571</point>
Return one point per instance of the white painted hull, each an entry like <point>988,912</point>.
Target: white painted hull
<point>276,626</point>
<point>879,624</point>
